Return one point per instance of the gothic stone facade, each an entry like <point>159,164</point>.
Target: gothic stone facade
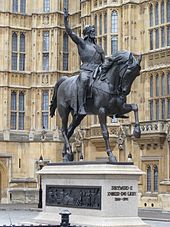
<point>35,52</point>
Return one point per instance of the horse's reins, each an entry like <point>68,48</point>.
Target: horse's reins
<point>118,92</point>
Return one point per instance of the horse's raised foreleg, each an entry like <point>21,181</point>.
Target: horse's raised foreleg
<point>102,120</point>
<point>133,107</point>
<point>136,131</point>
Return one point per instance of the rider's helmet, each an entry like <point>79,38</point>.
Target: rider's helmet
<point>87,29</point>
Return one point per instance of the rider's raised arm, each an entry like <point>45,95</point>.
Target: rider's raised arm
<point>73,36</point>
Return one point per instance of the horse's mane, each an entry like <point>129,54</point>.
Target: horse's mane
<point>118,58</point>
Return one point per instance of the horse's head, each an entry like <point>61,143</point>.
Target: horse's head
<point>131,71</point>
<point>120,70</point>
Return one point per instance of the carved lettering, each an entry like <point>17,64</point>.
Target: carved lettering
<point>121,193</point>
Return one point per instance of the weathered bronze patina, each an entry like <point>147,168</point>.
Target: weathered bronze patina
<point>100,89</point>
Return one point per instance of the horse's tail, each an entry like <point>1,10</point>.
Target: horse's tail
<point>53,104</point>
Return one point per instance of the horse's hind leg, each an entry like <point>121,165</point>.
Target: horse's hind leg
<point>102,120</point>
<point>67,149</point>
<point>75,122</point>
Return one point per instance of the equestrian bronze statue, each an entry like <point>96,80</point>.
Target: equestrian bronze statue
<point>100,89</point>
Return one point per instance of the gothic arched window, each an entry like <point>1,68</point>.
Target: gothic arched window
<point>163,108</point>
<point>168,83</point>
<point>148,182</point>
<point>13,121</point>
<point>22,53</point>
<point>15,6</point>
<point>45,105</point>
<point>151,109</point>
<point>151,39</point>
<point>157,38</point>
<point>162,12</point>
<point>14,42</point>
<point>114,44</point>
<point>156,13</point>
<point>22,42</point>
<point>21,111</point>
<point>163,91</point>
<point>65,52</point>
<point>105,45</point>
<point>46,41</point>
<point>151,86</point>
<point>100,24</point>
<point>155,178</point>
<point>95,23</point>
<point>46,50</point>
<point>105,23</point>
<point>22,6</point>
<point>157,85</point>
<point>157,109</point>
<point>14,51</point>
<point>151,15</point>
<point>168,109</point>
<point>163,37</point>
<point>114,22</point>
<point>46,6</point>
<point>168,10</point>
<point>168,34</point>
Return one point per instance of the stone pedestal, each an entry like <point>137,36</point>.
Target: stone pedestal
<point>96,194</point>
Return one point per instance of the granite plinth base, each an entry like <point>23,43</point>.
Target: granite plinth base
<point>96,194</point>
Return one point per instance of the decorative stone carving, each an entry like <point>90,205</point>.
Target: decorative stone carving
<point>46,20</point>
<point>73,196</point>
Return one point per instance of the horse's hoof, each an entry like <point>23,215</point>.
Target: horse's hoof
<point>71,157</point>
<point>112,158</point>
<point>66,158</point>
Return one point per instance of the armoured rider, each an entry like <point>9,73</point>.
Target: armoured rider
<point>91,56</point>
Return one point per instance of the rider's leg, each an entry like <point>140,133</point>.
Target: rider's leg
<point>82,87</point>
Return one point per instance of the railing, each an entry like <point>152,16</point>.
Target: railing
<point>147,127</point>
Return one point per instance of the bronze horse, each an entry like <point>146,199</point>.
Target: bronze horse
<point>107,97</point>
